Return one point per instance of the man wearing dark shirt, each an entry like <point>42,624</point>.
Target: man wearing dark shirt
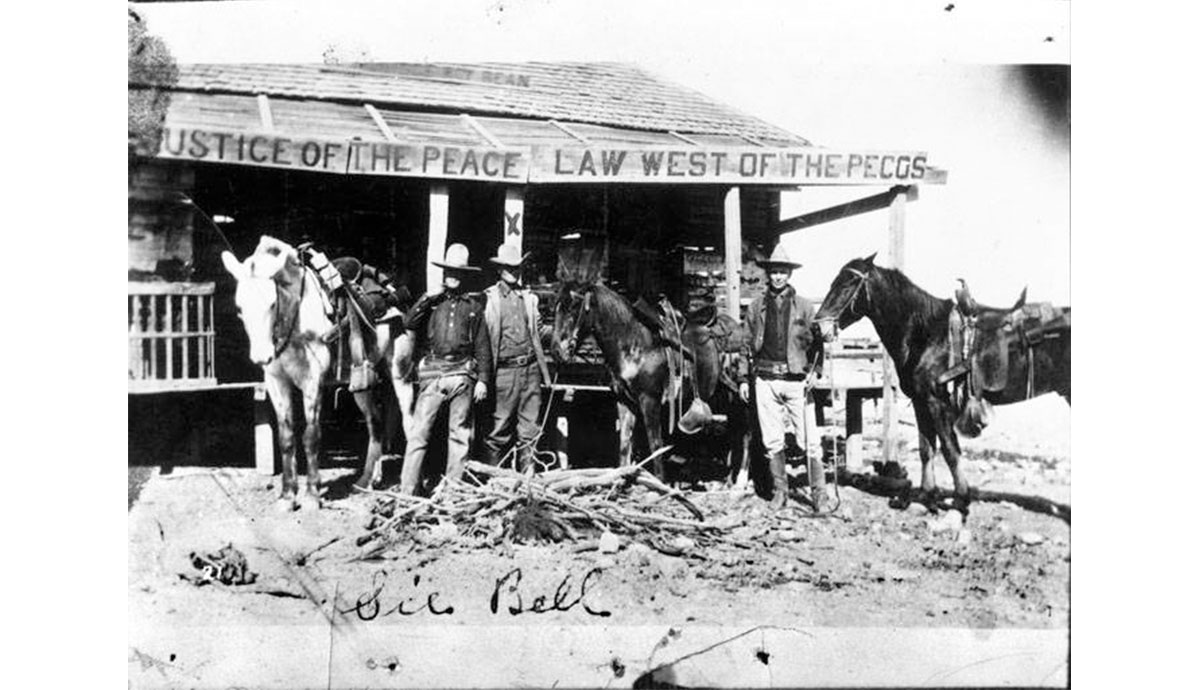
<point>785,346</point>
<point>512,319</point>
<point>448,327</point>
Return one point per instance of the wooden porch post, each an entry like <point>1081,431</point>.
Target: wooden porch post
<point>514,217</point>
<point>439,221</point>
<point>733,252</point>
<point>264,436</point>
<point>891,422</point>
<point>733,301</point>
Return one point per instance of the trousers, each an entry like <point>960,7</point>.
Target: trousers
<point>518,399</point>
<point>452,392</point>
<point>781,404</point>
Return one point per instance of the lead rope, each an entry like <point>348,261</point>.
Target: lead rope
<point>510,457</point>
<point>836,486</point>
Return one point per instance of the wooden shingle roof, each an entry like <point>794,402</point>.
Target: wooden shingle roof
<point>611,94</point>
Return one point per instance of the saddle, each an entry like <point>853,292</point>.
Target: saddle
<point>380,300</point>
<point>687,338</point>
<point>981,342</point>
<point>996,335</point>
<point>359,298</point>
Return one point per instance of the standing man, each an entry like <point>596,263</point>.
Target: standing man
<point>448,327</point>
<point>512,320</point>
<point>785,345</point>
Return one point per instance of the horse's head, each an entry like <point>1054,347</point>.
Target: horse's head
<point>849,294</point>
<point>572,318</point>
<point>272,263</point>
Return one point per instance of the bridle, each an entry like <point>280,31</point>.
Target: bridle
<point>584,308</point>
<point>861,286</point>
<point>282,338</point>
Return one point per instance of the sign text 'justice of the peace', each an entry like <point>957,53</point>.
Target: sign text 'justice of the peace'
<point>346,156</point>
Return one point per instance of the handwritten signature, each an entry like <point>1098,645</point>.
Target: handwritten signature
<point>508,594</point>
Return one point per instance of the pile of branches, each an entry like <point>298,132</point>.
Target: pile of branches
<point>496,505</point>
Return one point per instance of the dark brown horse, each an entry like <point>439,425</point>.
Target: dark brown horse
<point>914,326</point>
<point>635,351</point>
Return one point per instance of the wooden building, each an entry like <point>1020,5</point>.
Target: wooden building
<point>392,162</point>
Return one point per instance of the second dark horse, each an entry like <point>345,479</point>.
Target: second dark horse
<point>914,327</point>
<point>635,354</point>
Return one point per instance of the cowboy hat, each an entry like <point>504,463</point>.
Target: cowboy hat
<point>779,257</point>
<point>509,255</point>
<point>457,257</point>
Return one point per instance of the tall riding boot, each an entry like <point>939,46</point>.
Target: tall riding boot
<point>779,490</point>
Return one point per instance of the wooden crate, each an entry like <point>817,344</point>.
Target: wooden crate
<point>171,336</point>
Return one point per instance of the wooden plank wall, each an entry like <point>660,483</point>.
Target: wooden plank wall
<point>695,265</point>
<point>649,231</point>
<point>160,223</point>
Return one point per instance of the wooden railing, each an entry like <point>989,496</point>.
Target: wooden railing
<point>171,336</point>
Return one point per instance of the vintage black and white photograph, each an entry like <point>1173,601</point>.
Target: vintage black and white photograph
<point>639,344</point>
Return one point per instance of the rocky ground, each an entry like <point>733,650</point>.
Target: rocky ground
<point>867,565</point>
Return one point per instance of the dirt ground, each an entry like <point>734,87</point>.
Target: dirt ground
<point>868,565</point>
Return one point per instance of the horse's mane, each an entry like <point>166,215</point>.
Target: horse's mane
<point>613,309</point>
<point>621,321</point>
<point>924,311</point>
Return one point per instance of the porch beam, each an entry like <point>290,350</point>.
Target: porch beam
<point>482,131</point>
<point>683,138</point>
<point>847,210</point>
<point>570,132</point>
<point>265,117</point>
<point>382,124</point>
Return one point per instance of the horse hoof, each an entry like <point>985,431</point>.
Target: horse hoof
<point>285,505</point>
<point>951,521</point>
<point>962,505</point>
<point>308,502</point>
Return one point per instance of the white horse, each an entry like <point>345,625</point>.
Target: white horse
<point>287,317</point>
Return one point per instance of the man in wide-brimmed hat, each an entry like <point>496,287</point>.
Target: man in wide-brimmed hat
<point>513,323</point>
<point>785,348</point>
<point>448,327</point>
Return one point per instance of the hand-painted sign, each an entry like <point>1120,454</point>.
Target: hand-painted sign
<point>733,165</point>
<point>459,73</point>
<point>352,157</point>
<point>570,164</point>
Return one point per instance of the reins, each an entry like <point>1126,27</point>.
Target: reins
<point>861,286</point>
<point>573,340</point>
<point>190,202</point>
<point>863,278</point>
<point>282,343</point>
